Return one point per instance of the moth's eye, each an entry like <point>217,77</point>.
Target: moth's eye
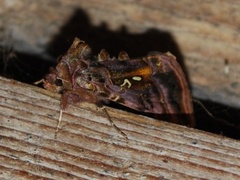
<point>89,78</point>
<point>58,82</point>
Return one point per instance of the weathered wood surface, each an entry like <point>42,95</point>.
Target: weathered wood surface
<point>206,33</point>
<point>88,147</point>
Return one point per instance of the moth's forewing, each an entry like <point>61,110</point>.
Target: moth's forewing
<point>153,84</point>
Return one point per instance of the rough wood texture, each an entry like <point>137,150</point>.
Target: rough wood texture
<point>206,33</point>
<point>88,147</point>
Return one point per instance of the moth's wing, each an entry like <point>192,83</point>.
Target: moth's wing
<point>143,101</point>
<point>154,84</point>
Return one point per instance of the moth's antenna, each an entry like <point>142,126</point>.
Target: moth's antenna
<point>211,115</point>
<point>38,82</point>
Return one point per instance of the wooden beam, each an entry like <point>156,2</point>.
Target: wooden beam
<point>88,147</point>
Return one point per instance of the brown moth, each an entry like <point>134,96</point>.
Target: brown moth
<point>152,84</point>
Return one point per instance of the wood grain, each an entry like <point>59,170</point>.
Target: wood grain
<point>88,147</point>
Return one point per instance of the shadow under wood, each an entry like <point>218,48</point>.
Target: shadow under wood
<point>22,67</point>
<point>100,37</point>
<point>222,119</point>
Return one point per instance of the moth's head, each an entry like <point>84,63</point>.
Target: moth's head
<point>68,68</point>
<point>52,82</point>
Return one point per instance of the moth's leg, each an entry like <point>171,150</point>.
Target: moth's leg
<point>113,124</point>
<point>59,122</point>
<point>67,98</point>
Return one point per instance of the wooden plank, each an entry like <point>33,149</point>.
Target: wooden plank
<point>88,147</point>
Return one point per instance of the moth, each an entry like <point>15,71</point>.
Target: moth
<point>154,84</point>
